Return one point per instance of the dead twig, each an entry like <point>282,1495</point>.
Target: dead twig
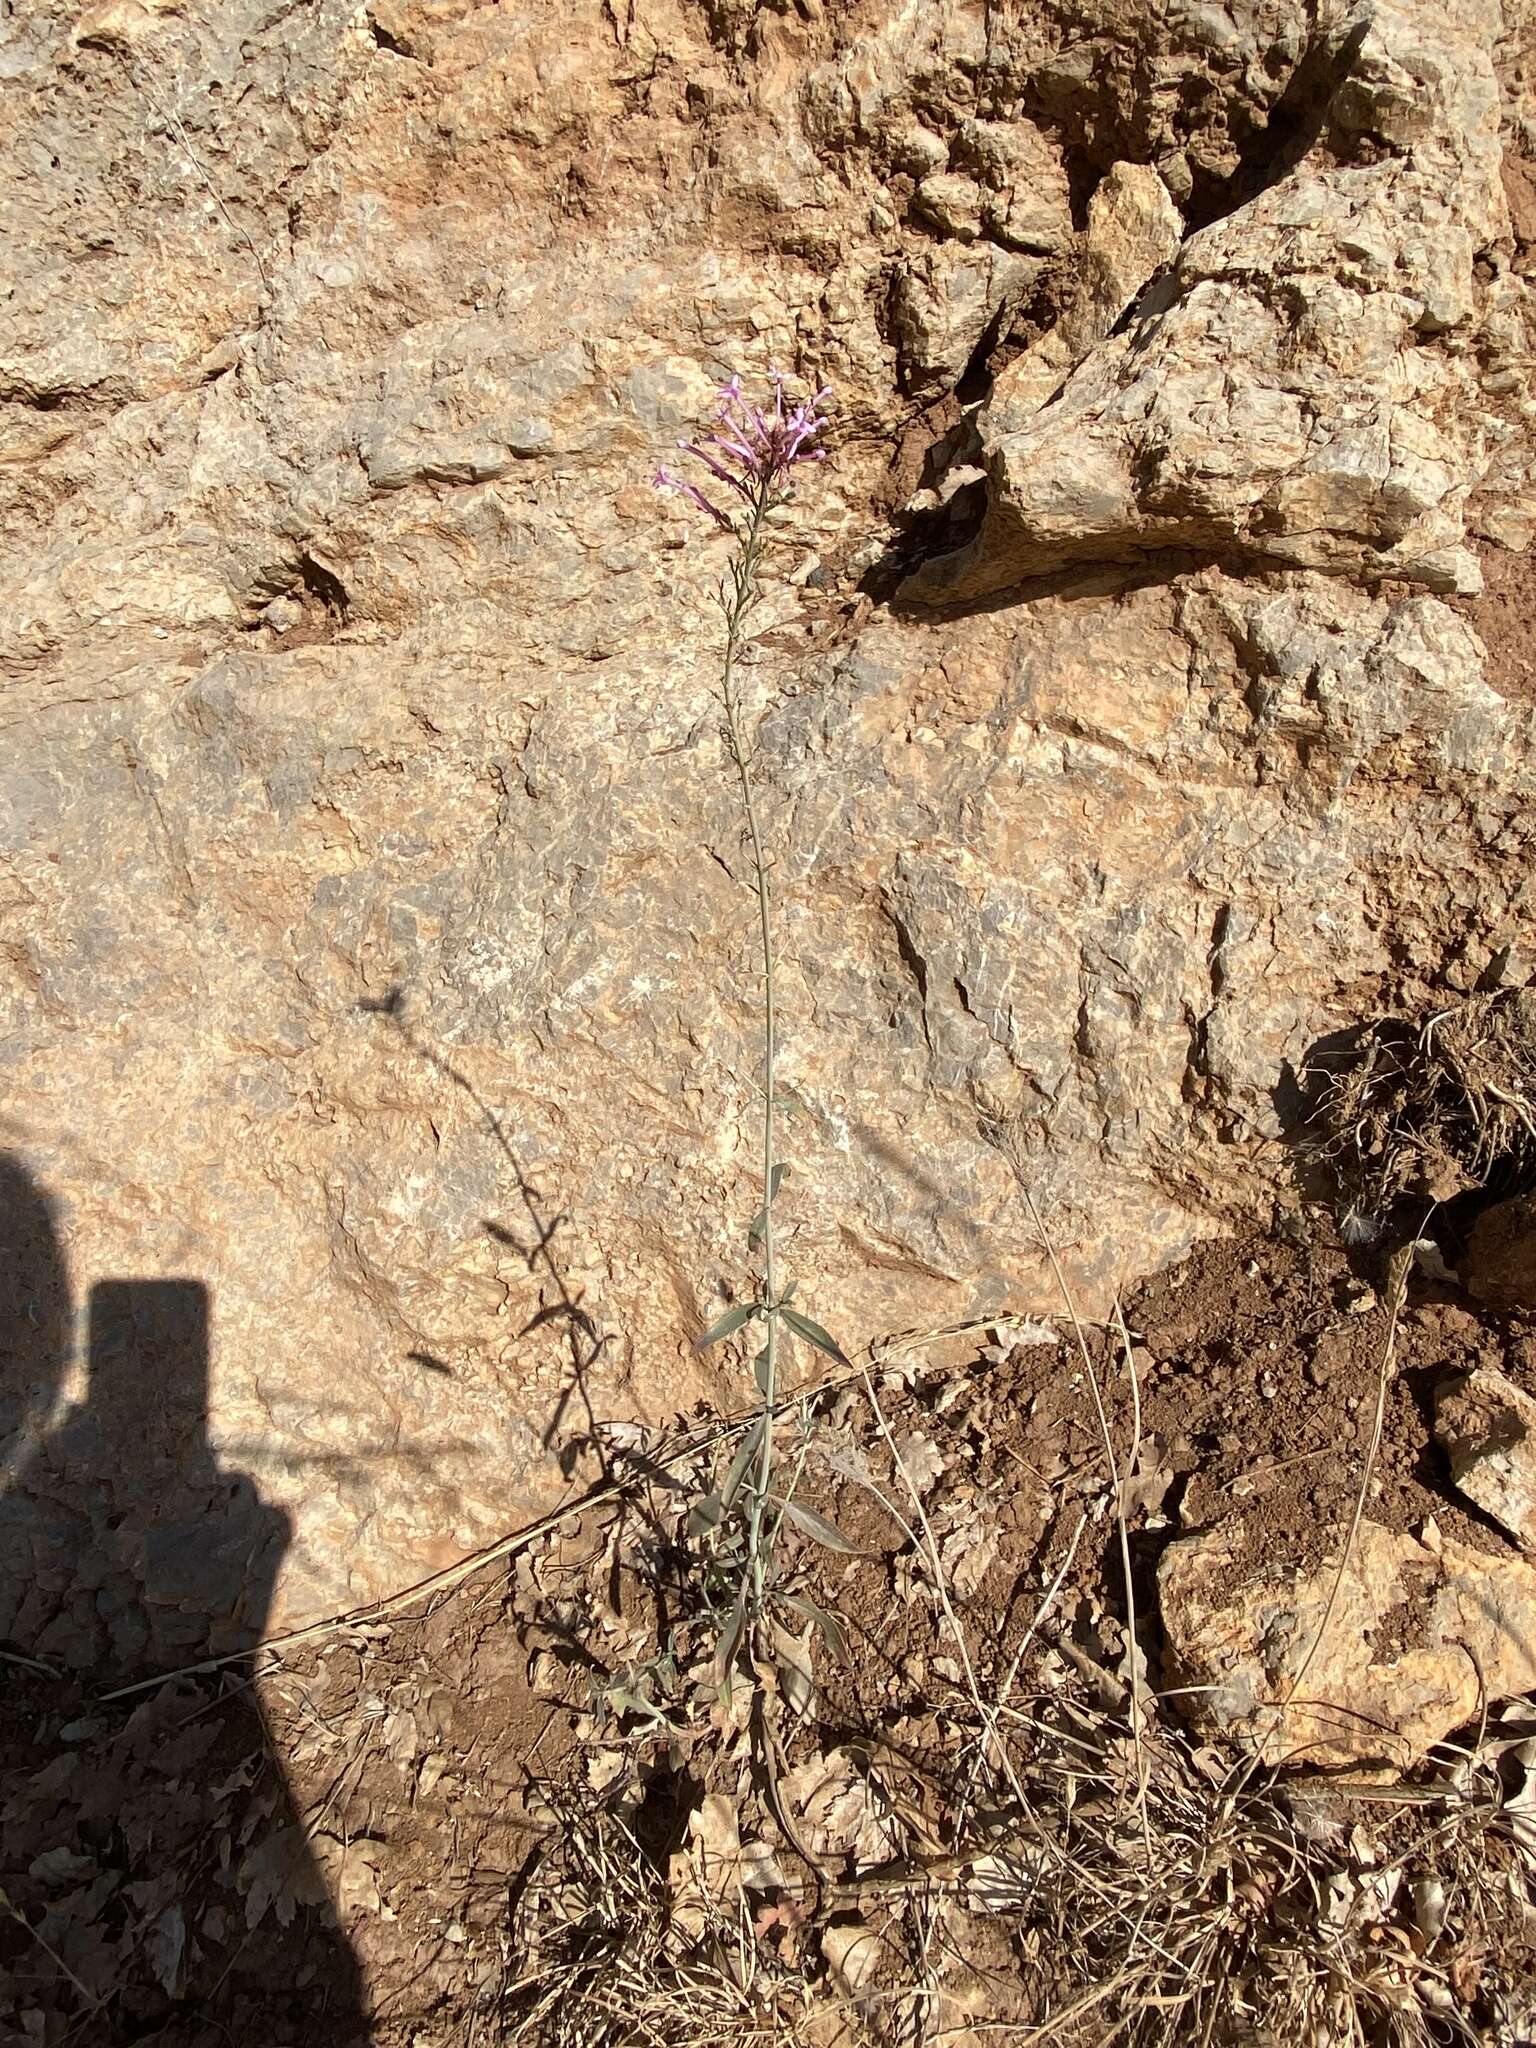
<point>1402,1266</point>
<point>49,1951</point>
<point>1132,1649</point>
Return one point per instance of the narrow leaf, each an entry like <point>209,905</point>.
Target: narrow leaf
<point>728,1325</point>
<point>750,1444</point>
<point>797,1680</point>
<point>837,1642</point>
<point>730,1639</point>
<point>760,1371</point>
<point>818,1528</point>
<point>627,1702</point>
<point>813,1333</point>
<point>705,1515</point>
<point>760,1220</point>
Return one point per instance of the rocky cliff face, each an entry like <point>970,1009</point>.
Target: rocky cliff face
<point>372,905</point>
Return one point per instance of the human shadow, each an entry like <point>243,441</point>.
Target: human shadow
<point>157,1879</point>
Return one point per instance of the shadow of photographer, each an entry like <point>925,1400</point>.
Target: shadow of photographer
<point>157,1877</point>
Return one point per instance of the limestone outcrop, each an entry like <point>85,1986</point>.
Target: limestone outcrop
<point>1321,377</point>
<point>377,947</point>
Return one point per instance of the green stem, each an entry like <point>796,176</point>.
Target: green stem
<point>743,591</point>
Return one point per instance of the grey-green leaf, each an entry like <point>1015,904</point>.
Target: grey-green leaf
<point>627,1702</point>
<point>730,1639</point>
<point>813,1333</point>
<point>818,1528</point>
<point>760,1371</point>
<point>837,1642</point>
<point>750,1445</point>
<point>705,1515</point>
<point>760,1220</point>
<point>728,1325</point>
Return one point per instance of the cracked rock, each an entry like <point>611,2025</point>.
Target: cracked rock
<point>1488,1428</point>
<point>367,858</point>
<point>1307,1667</point>
<point>1303,388</point>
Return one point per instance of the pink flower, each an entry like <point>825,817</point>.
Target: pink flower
<point>664,480</point>
<point>752,450</point>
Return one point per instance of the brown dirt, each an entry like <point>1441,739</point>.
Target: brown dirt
<point>423,1758</point>
<point>423,1739</point>
<point>913,454</point>
<point>1257,1367</point>
<point>1501,617</point>
<point>158,1846</point>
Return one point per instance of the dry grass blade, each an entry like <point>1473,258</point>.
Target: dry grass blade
<point>989,1714</point>
<point>1224,1936</point>
<point>611,1957</point>
<point>1402,1266</point>
<point>93,2003</point>
<point>1132,1652</point>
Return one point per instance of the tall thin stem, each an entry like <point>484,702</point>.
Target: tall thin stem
<point>751,452</point>
<point>743,592</point>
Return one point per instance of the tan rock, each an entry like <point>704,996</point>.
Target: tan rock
<point>951,202</point>
<point>1300,388</point>
<point>1499,1263</point>
<point>1488,1427</point>
<point>946,298</point>
<point>118,23</point>
<point>1416,1640</point>
<point>859,1956</point>
<point>345,650</point>
<point>1133,229</point>
<point>1028,204</point>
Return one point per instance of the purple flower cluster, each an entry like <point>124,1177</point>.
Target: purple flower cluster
<point>752,449</point>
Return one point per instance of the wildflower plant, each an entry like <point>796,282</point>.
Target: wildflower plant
<point>751,455</point>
